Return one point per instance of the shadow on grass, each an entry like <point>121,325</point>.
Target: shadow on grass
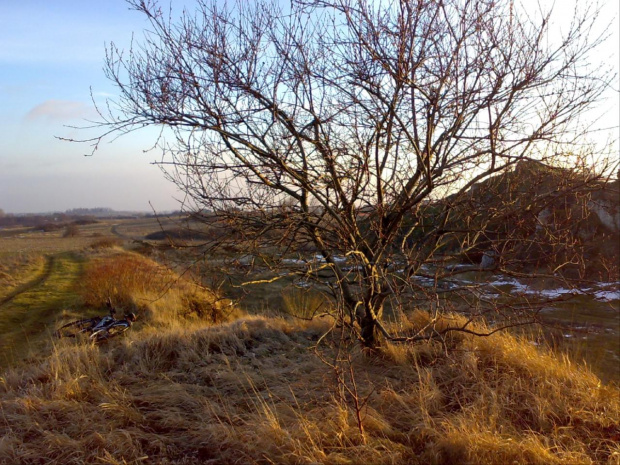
<point>27,313</point>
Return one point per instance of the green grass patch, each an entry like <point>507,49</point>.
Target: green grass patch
<point>17,270</point>
<point>25,319</point>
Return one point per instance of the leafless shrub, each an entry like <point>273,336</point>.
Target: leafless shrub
<point>375,134</point>
<point>71,230</point>
<point>106,243</point>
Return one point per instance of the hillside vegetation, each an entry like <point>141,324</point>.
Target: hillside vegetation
<point>195,381</point>
<point>544,218</point>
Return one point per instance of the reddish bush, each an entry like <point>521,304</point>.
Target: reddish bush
<point>120,278</point>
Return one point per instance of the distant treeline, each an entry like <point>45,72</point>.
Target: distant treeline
<point>44,222</point>
<point>90,211</point>
<point>51,221</point>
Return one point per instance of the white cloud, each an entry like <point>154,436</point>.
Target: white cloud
<point>61,111</point>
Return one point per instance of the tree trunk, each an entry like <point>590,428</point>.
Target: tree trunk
<point>371,334</point>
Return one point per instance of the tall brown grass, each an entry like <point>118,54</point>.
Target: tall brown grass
<point>304,303</point>
<point>105,243</point>
<point>159,296</point>
<point>121,277</point>
<point>252,391</point>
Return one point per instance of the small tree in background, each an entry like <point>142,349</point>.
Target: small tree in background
<point>374,135</point>
<point>71,230</point>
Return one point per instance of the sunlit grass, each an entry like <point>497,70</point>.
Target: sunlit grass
<point>304,303</point>
<point>196,381</point>
<point>159,296</point>
<point>253,391</point>
<point>17,269</point>
<point>26,319</point>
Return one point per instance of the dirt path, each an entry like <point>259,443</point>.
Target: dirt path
<point>27,315</point>
<point>40,278</point>
<point>119,234</point>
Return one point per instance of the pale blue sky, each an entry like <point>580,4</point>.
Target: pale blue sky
<point>51,54</point>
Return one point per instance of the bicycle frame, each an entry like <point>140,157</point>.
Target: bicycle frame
<point>100,328</point>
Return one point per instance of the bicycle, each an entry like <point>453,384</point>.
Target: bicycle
<point>99,328</point>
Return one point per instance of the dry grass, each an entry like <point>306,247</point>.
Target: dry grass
<point>122,277</point>
<point>17,269</point>
<point>47,242</point>
<point>252,391</point>
<point>106,243</point>
<point>157,294</point>
<point>186,385</point>
<point>305,304</point>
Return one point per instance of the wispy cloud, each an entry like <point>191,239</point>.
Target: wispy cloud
<point>104,94</point>
<point>60,111</point>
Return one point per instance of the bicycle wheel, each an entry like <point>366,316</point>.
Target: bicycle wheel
<point>75,328</point>
<point>109,332</point>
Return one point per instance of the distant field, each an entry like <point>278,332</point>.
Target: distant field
<point>139,229</point>
<point>8,232</point>
<point>29,241</point>
<point>19,241</point>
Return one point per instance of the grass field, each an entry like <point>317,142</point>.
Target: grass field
<point>33,241</point>
<point>27,317</point>
<point>197,380</point>
<point>17,269</point>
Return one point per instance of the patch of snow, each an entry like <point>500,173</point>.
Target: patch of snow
<point>517,286</point>
<point>559,292</point>
<point>490,295</point>
<point>294,261</point>
<point>337,258</point>
<point>505,282</point>
<point>607,296</point>
<point>423,279</point>
<point>352,268</point>
<point>608,291</point>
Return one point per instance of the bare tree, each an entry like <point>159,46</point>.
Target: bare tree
<point>384,136</point>
<point>71,230</point>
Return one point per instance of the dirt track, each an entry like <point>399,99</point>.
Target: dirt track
<point>28,314</point>
<point>119,234</point>
<point>39,279</point>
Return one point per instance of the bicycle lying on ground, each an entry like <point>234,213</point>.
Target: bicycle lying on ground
<point>99,328</point>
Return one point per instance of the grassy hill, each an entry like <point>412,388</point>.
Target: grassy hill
<point>536,217</point>
<point>196,381</point>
